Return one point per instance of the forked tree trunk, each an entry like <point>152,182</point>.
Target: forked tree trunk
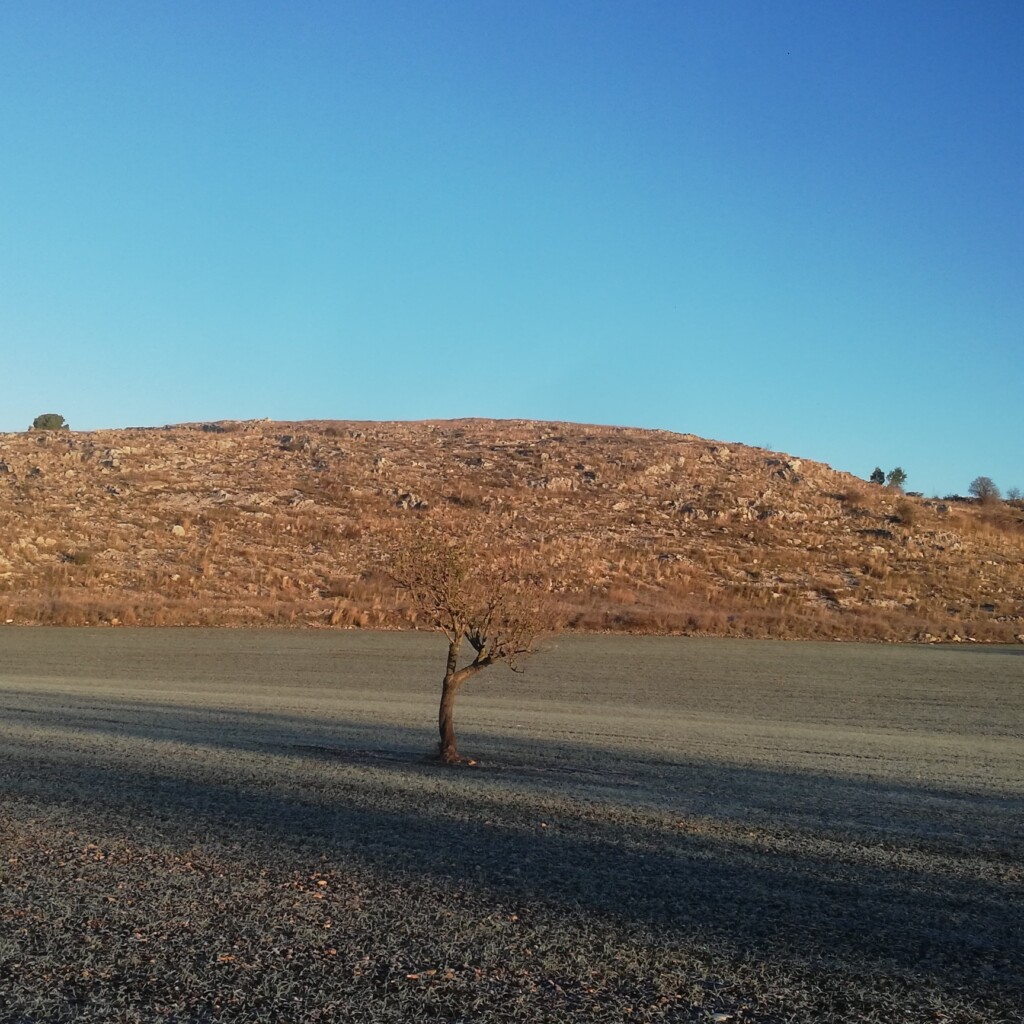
<point>454,677</point>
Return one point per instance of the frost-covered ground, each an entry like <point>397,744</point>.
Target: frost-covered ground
<point>245,826</point>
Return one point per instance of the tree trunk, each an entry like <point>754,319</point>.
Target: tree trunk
<point>454,677</point>
<point>448,750</point>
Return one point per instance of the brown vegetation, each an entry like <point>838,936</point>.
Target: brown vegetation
<point>473,589</point>
<point>640,531</point>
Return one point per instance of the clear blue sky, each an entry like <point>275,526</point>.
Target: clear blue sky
<point>789,224</point>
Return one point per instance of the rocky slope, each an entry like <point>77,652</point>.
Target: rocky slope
<point>261,522</point>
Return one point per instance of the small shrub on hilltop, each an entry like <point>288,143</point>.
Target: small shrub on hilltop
<point>896,479</point>
<point>50,421</point>
<point>984,490</point>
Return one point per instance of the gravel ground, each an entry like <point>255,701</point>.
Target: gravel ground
<point>203,826</point>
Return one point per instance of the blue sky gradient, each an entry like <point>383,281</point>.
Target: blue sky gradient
<point>798,225</point>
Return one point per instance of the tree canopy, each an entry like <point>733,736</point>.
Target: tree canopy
<point>983,488</point>
<point>896,478</point>
<point>49,421</point>
<point>473,591</point>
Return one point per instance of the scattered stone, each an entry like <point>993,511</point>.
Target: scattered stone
<point>409,500</point>
<point>807,542</point>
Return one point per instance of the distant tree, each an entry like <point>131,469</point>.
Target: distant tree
<point>49,421</point>
<point>984,490</point>
<point>1013,494</point>
<point>896,478</point>
<point>877,476</point>
<point>472,594</point>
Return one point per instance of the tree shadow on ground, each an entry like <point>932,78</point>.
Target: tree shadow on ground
<point>827,872</point>
<point>894,810</point>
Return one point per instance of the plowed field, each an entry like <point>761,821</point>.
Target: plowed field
<point>201,826</point>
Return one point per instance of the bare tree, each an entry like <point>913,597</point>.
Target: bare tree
<point>472,594</point>
<point>984,490</point>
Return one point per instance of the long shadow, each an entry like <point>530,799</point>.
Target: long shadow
<point>795,894</point>
<point>894,811</point>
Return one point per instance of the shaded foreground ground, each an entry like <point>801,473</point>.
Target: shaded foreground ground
<point>233,826</point>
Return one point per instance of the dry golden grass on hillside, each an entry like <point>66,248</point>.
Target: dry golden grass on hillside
<point>643,531</point>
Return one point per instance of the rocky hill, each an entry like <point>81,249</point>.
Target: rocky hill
<point>646,531</point>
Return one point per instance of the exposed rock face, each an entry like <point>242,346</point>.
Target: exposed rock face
<point>639,530</point>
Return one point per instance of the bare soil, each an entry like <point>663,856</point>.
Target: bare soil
<point>203,825</point>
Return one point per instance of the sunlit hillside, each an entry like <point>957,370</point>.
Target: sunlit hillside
<point>642,531</point>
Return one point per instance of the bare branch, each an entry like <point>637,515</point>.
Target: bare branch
<point>465,588</point>
<point>469,588</point>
